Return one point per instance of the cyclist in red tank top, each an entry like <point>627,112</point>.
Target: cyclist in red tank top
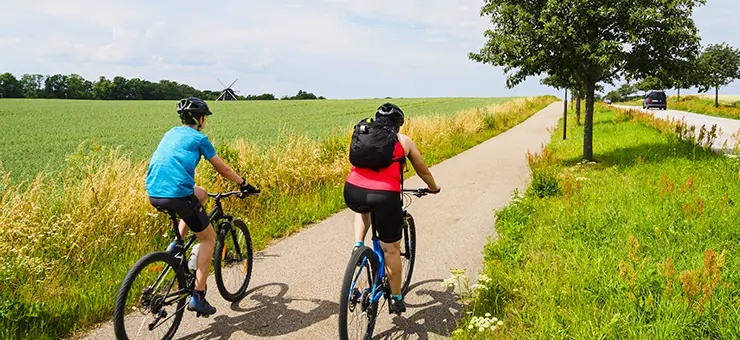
<point>367,190</point>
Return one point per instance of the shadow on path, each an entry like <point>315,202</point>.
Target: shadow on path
<point>274,314</point>
<point>438,314</point>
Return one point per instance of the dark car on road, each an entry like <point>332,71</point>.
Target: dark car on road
<point>654,99</point>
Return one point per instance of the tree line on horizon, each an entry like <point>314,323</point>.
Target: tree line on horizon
<point>74,86</point>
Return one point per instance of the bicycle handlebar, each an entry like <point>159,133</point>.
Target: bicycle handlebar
<point>231,193</point>
<point>418,192</point>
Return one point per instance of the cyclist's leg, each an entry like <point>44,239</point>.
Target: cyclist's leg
<point>392,256</point>
<point>356,199</point>
<point>202,195</point>
<point>362,224</point>
<point>207,239</point>
<point>197,219</point>
<point>388,222</point>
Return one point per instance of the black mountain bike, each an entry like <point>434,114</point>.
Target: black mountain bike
<point>152,297</point>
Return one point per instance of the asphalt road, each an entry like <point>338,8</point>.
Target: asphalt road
<point>294,292</point>
<point>727,126</point>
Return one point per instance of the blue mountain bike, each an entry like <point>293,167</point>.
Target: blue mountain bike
<point>365,282</point>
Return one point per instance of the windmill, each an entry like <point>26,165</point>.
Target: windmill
<point>227,93</point>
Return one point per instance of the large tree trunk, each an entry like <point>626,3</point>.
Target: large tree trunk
<point>588,151</point>
<point>578,110</point>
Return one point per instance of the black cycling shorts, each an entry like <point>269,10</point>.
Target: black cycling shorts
<point>386,206</point>
<point>188,208</point>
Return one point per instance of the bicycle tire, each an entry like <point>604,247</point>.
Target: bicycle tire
<point>246,261</point>
<point>409,246</point>
<point>355,260</point>
<point>119,313</point>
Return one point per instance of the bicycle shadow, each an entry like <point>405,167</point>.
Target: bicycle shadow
<point>439,315</point>
<point>273,315</point>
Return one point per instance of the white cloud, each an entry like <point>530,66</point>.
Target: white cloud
<point>336,48</point>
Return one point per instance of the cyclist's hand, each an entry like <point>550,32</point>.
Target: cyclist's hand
<point>249,190</point>
<point>434,192</point>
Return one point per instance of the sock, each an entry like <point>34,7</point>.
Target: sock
<point>397,297</point>
<point>359,244</point>
<point>201,294</point>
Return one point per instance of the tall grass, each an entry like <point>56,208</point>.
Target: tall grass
<point>640,244</point>
<point>65,248</point>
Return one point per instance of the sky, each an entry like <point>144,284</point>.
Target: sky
<point>340,49</point>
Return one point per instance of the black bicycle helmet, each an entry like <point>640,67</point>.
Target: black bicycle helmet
<point>193,105</point>
<point>391,111</point>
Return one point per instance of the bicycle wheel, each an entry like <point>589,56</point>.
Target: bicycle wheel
<point>356,312</point>
<point>233,263</point>
<point>408,251</point>
<point>151,299</point>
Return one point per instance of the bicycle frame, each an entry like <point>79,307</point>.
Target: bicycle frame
<point>216,214</point>
<point>378,288</point>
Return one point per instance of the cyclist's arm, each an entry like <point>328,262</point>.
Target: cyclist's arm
<point>225,170</point>
<point>413,154</point>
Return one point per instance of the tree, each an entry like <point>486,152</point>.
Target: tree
<point>103,89</point>
<point>56,86</point>
<point>592,41</point>
<point>78,87</point>
<point>301,95</point>
<point>565,83</point>
<point>719,65</point>
<point>32,85</point>
<point>652,83</point>
<point>10,87</point>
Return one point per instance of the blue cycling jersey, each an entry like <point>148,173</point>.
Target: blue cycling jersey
<point>171,172</point>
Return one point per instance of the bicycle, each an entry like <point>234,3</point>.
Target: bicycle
<point>367,299</point>
<point>161,270</point>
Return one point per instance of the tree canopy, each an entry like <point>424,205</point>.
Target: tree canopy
<point>588,41</point>
<point>719,65</point>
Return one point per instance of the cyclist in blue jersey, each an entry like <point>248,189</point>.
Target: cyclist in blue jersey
<point>170,184</point>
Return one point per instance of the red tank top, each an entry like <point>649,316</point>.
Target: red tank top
<point>388,178</point>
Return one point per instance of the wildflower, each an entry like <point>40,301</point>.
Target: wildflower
<point>500,323</point>
<point>516,290</point>
<point>481,329</point>
<point>488,315</point>
<point>470,326</point>
<point>493,328</point>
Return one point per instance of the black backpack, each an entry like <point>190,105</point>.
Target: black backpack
<point>372,145</point>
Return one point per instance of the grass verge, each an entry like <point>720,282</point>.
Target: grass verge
<point>66,247</point>
<point>640,244</point>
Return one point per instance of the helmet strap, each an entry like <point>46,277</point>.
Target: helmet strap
<point>196,121</point>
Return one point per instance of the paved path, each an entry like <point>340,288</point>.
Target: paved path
<point>295,285</point>
<point>728,126</point>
